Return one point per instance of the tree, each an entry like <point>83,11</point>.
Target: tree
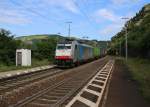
<point>138,35</point>
<point>8,47</point>
<point>45,49</point>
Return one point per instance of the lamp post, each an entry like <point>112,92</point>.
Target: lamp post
<point>120,48</point>
<point>126,38</point>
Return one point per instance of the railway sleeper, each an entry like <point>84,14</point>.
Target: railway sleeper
<point>37,105</point>
<point>64,88</point>
<point>56,94</point>
<point>52,97</point>
<point>45,101</point>
<point>61,91</point>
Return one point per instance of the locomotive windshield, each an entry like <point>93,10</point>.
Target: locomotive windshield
<point>63,47</point>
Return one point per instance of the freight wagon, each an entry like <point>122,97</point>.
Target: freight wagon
<point>96,52</point>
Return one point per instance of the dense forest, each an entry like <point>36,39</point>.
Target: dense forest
<point>138,32</point>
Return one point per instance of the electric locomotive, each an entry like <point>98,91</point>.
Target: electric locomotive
<point>70,53</point>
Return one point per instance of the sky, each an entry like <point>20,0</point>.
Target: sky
<point>95,19</point>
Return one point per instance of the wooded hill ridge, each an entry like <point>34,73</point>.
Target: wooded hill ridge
<point>138,32</point>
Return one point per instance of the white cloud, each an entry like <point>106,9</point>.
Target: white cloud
<point>67,4</point>
<point>13,20</point>
<point>15,14</point>
<point>13,17</point>
<point>118,2</point>
<point>105,14</point>
<point>115,22</point>
<point>123,2</point>
<point>114,27</point>
<point>111,29</point>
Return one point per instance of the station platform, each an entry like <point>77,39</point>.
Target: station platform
<point>8,74</point>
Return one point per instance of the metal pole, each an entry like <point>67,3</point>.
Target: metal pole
<point>69,29</point>
<point>126,39</point>
<point>120,48</point>
<point>126,45</point>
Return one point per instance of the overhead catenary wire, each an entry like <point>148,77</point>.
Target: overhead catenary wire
<point>45,17</point>
<point>90,21</point>
<point>32,11</point>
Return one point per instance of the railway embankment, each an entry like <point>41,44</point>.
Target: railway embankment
<point>13,73</point>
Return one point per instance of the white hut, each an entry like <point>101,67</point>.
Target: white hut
<point>23,57</point>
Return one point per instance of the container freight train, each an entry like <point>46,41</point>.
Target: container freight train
<point>71,53</point>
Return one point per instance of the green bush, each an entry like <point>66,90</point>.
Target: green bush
<point>140,71</point>
<point>8,47</point>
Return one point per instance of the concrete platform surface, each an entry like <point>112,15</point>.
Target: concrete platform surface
<point>24,71</point>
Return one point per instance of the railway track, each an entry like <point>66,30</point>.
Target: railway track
<point>52,91</point>
<point>59,94</point>
<point>10,84</point>
<point>93,92</point>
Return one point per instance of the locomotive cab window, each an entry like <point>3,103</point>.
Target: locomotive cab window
<point>75,46</point>
<point>63,47</point>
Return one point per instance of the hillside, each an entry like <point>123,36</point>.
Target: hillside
<point>138,29</point>
<point>38,37</point>
<point>31,39</point>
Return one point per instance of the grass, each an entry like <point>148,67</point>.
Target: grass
<point>35,63</point>
<point>140,72</point>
